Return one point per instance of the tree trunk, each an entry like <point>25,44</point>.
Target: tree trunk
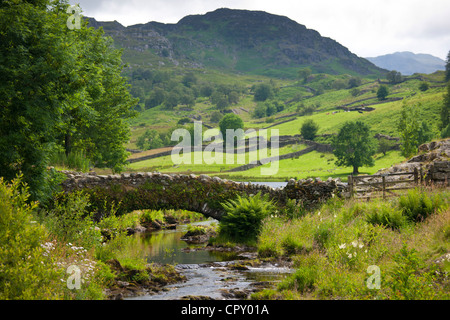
<point>355,170</point>
<point>67,144</point>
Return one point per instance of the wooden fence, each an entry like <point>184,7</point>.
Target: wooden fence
<point>383,185</point>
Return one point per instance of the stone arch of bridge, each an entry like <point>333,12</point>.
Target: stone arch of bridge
<point>203,194</point>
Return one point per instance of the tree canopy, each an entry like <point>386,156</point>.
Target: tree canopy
<point>61,89</point>
<point>354,146</point>
<point>383,92</point>
<point>263,91</point>
<point>447,68</point>
<point>309,129</point>
<point>230,121</point>
<point>413,132</point>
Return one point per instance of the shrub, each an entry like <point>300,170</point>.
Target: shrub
<point>233,122</point>
<point>323,234</point>
<point>268,249</point>
<point>309,129</point>
<point>216,116</point>
<point>294,245</point>
<point>183,121</point>
<point>148,216</point>
<point>352,212</point>
<point>293,210</point>
<point>196,230</point>
<point>385,215</point>
<point>355,92</point>
<point>408,279</point>
<point>305,276</point>
<point>418,205</point>
<point>26,272</point>
<point>270,120</point>
<point>302,279</point>
<point>263,91</point>
<point>71,221</point>
<point>382,92</point>
<point>424,86</point>
<point>244,217</point>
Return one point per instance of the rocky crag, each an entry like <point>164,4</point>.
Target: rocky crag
<point>432,159</point>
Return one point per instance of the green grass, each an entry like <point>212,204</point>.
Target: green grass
<point>335,248</point>
<point>381,120</point>
<point>166,164</point>
<point>313,164</point>
<point>316,164</point>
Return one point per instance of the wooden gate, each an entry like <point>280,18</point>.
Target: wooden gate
<point>383,185</point>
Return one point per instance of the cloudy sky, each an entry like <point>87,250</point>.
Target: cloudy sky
<point>368,28</point>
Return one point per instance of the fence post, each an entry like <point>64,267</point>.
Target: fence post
<point>384,186</point>
<point>416,176</point>
<point>421,175</point>
<point>350,185</point>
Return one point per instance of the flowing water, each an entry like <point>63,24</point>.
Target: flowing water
<point>273,184</point>
<point>205,270</point>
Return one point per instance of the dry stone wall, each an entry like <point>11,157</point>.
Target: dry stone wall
<point>439,172</point>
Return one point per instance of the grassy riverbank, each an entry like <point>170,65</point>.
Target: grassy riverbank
<point>61,253</point>
<point>339,250</point>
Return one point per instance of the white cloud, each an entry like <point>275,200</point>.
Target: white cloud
<point>367,28</point>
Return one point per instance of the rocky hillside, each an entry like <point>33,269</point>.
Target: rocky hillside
<point>432,157</point>
<point>236,40</point>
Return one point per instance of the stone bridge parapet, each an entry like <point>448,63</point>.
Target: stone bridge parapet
<point>202,193</point>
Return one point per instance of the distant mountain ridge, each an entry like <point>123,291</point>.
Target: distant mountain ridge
<point>409,63</point>
<point>239,41</point>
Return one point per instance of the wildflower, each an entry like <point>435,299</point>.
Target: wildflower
<point>342,246</point>
<point>354,244</point>
<point>350,256</point>
<point>361,245</point>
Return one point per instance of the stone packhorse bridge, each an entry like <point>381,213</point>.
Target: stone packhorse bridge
<point>203,194</point>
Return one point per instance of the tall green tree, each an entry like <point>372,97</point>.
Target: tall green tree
<point>304,73</point>
<point>263,91</point>
<point>354,82</point>
<point>157,97</point>
<point>354,146</point>
<point>59,89</point>
<point>37,76</point>
<point>149,140</point>
<point>413,132</point>
<point>96,120</point>
<point>445,114</point>
<point>233,122</point>
<point>445,110</point>
<point>447,68</point>
<point>394,77</point>
<point>382,92</point>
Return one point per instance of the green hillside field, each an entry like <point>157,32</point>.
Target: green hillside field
<point>329,113</point>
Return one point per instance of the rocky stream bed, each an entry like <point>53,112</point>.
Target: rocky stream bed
<point>182,266</point>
